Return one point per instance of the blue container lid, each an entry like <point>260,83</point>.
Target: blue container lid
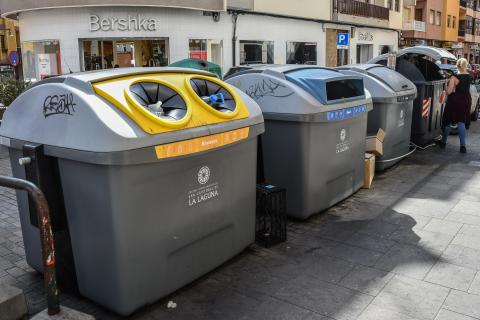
<point>327,85</point>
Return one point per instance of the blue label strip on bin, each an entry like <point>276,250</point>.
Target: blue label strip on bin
<point>346,113</point>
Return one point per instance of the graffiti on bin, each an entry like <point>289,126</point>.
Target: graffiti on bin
<point>59,104</point>
<point>268,88</point>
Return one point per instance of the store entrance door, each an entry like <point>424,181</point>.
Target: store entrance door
<point>124,55</point>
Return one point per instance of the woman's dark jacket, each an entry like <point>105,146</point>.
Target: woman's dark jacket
<point>459,103</point>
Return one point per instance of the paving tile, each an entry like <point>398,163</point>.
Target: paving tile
<point>467,207</point>
<point>451,276</point>
<point>325,268</point>
<point>274,309</point>
<point>463,218</point>
<point>366,280</point>
<point>370,242</point>
<point>210,299</point>
<point>355,254</point>
<point>475,286</point>
<point>258,285</point>
<point>338,230</point>
<point>324,298</point>
<point>353,308</point>
<point>314,316</point>
<point>465,192</point>
<point>354,210</point>
<point>443,226</point>
<point>449,315</point>
<point>431,241</point>
<point>379,229</point>
<point>434,190</point>
<point>408,260</point>
<point>409,219</point>
<point>378,196</point>
<point>462,256</point>
<point>417,204</point>
<point>374,312</point>
<point>467,241</point>
<point>463,303</point>
<point>412,297</point>
<point>470,230</point>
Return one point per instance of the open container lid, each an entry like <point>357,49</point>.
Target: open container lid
<point>100,111</point>
<point>416,64</point>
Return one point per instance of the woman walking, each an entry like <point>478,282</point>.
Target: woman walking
<point>459,101</point>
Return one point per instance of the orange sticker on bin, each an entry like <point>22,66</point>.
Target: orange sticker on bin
<point>197,145</point>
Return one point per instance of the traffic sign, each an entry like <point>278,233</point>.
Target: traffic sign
<point>343,40</point>
<point>14,58</point>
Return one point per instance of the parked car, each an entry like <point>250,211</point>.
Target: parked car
<point>475,72</point>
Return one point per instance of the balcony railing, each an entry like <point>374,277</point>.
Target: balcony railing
<point>361,9</point>
<point>414,25</point>
<point>467,4</point>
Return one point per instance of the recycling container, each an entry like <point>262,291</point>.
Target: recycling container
<point>157,172</point>
<point>419,66</point>
<point>315,132</point>
<point>393,97</point>
<point>200,65</point>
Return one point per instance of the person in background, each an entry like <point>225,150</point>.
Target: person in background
<point>457,109</point>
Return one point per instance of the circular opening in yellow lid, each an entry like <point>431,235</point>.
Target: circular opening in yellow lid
<point>214,95</point>
<point>159,101</point>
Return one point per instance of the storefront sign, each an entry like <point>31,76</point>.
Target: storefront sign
<point>130,23</point>
<point>365,36</point>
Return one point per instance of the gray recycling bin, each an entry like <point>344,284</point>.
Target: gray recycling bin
<point>150,173</point>
<point>315,131</point>
<point>393,97</point>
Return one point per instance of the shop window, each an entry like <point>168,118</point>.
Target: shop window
<point>256,52</point>
<point>108,54</point>
<point>206,49</point>
<point>41,59</point>
<point>301,53</point>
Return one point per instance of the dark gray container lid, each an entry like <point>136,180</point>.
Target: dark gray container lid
<point>383,83</point>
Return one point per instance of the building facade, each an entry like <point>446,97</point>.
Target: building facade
<point>121,33</point>
<point>450,24</point>
<point>9,42</point>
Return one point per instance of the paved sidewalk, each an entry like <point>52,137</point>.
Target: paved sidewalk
<point>407,249</point>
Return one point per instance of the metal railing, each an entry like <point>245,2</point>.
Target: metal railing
<point>361,9</point>
<point>46,237</point>
<point>414,25</point>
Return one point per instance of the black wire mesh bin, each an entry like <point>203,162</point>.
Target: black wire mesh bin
<point>271,224</point>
